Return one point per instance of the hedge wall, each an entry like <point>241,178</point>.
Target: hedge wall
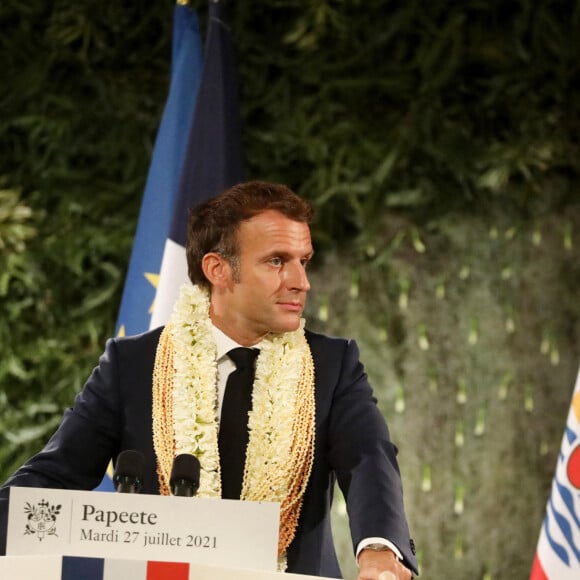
<point>439,144</point>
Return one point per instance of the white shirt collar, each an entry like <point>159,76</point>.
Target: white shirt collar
<point>223,342</point>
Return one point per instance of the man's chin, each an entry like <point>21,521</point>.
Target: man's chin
<point>289,325</point>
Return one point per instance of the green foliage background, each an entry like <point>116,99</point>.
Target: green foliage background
<point>439,143</point>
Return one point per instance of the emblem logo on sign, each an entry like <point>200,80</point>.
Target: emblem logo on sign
<point>41,519</point>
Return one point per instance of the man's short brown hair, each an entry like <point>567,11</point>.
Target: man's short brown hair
<point>213,225</point>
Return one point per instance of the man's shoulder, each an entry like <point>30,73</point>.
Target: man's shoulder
<point>332,356</point>
<point>325,341</point>
<point>143,342</point>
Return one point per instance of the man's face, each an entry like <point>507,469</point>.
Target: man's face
<point>270,290</point>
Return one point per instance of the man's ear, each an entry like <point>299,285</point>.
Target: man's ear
<point>217,270</point>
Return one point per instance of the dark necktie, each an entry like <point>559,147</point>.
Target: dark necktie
<point>233,433</point>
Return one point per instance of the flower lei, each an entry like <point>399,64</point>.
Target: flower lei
<point>281,425</point>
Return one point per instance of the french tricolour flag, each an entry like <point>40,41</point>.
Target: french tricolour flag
<point>213,160</point>
<point>75,568</point>
<point>558,551</point>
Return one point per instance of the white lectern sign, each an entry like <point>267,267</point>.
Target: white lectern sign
<point>132,526</point>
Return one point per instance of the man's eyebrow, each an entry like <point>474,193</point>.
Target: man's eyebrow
<point>280,252</point>
<point>287,255</point>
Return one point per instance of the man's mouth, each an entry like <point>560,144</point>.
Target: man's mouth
<point>292,306</point>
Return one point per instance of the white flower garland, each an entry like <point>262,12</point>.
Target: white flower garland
<point>281,420</point>
<point>194,392</point>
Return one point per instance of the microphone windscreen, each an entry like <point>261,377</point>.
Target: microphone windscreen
<point>185,468</point>
<point>130,464</point>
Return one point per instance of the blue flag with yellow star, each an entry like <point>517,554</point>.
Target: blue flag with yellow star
<point>162,183</point>
<point>164,172</point>
<point>213,159</point>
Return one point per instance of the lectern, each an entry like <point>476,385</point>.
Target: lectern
<point>88,535</point>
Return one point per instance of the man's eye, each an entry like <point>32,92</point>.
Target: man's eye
<point>276,261</point>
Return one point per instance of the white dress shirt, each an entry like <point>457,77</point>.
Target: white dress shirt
<point>225,365</point>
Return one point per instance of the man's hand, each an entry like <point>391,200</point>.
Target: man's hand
<point>382,565</point>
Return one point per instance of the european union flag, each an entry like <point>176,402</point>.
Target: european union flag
<point>162,182</point>
<point>164,173</point>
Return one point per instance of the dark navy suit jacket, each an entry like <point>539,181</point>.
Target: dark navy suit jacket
<point>113,413</point>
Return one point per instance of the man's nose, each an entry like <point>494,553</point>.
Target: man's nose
<point>297,278</point>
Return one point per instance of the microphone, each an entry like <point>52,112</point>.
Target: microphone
<point>184,480</point>
<point>129,469</point>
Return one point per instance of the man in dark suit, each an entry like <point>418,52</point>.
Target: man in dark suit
<point>312,419</point>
